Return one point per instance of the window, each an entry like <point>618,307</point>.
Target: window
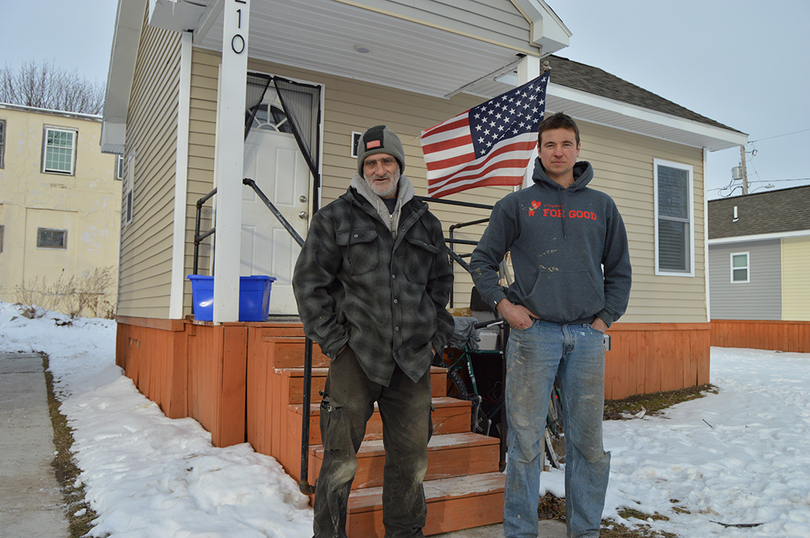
<point>739,267</point>
<point>674,248</point>
<point>50,238</point>
<point>59,153</point>
<point>119,167</point>
<point>127,188</point>
<point>2,143</point>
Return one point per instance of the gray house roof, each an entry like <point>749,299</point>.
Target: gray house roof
<point>786,210</point>
<point>592,94</point>
<point>596,81</point>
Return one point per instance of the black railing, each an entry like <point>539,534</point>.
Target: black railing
<point>303,483</point>
<point>452,241</point>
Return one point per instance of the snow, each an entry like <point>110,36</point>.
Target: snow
<point>738,457</point>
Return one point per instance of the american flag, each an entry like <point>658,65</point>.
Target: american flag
<point>490,144</point>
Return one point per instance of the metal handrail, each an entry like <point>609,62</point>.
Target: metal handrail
<point>452,240</point>
<point>303,484</point>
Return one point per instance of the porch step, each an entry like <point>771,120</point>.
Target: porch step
<point>438,383</point>
<point>456,503</point>
<point>463,486</point>
<point>449,455</point>
<point>450,415</point>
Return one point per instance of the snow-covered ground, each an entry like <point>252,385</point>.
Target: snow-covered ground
<point>739,457</point>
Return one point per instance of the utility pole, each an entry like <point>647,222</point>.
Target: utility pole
<point>744,171</point>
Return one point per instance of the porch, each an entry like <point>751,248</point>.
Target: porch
<point>243,382</point>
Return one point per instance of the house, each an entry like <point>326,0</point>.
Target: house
<point>59,212</point>
<point>759,247</point>
<point>203,94</point>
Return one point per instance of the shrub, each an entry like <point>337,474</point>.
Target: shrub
<point>88,294</point>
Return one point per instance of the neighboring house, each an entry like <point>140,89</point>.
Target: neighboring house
<point>59,211</point>
<point>759,250</point>
<point>184,79</point>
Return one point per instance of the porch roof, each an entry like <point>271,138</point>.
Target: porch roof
<point>436,49</point>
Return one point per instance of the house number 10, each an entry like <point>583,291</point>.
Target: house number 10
<point>237,41</point>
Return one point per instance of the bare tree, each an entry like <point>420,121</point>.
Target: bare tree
<point>46,86</point>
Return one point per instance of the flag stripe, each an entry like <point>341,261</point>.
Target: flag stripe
<point>524,148</point>
<point>453,123</point>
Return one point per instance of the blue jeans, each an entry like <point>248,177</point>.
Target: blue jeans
<point>533,357</point>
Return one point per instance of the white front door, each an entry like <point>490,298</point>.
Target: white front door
<point>274,162</point>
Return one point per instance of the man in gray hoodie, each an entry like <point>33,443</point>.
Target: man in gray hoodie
<point>572,271</point>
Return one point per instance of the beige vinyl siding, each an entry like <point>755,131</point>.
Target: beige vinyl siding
<point>623,163</point>
<point>146,243</point>
<point>795,284</point>
<point>349,106</point>
<point>623,166</point>
<point>496,21</point>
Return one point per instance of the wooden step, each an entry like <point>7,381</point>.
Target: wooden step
<point>438,383</point>
<point>455,503</point>
<point>450,415</point>
<point>454,454</point>
<point>288,351</point>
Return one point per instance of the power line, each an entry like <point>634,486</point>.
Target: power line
<point>778,180</point>
<point>734,187</point>
<point>779,136</point>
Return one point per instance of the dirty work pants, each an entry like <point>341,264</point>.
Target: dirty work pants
<point>533,357</point>
<point>347,405</point>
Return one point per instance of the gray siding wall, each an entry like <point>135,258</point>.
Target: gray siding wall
<point>761,297</point>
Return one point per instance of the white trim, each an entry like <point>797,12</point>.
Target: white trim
<point>51,112</point>
<point>548,30</point>
<point>591,107</point>
<point>321,114</point>
<point>691,218</point>
<point>124,53</point>
<point>759,237</point>
<point>706,269</point>
<point>73,150</point>
<point>747,267</point>
<point>207,19</point>
<point>229,158</point>
<point>181,180</point>
<point>528,69</point>
<point>128,192</point>
<point>355,141</point>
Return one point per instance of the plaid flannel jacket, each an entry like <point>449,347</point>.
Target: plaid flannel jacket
<point>386,297</point>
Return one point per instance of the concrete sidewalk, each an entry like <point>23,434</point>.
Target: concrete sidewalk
<point>548,529</point>
<point>31,502</point>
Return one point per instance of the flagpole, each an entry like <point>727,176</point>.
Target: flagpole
<point>528,69</point>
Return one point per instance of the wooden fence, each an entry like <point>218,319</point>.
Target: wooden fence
<point>653,357</point>
<point>793,336</point>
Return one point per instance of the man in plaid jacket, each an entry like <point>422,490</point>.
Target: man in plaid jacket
<point>372,283</point>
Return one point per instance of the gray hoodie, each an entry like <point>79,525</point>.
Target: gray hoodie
<point>560,241</point>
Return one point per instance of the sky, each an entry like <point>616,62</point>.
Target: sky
<point>738,457</point>
<point>743,63</point>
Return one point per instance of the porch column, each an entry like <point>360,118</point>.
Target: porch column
<point>229,165</point>
<point>528,69</point>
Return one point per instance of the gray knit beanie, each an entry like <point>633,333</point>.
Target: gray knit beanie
<point>379,139</point>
